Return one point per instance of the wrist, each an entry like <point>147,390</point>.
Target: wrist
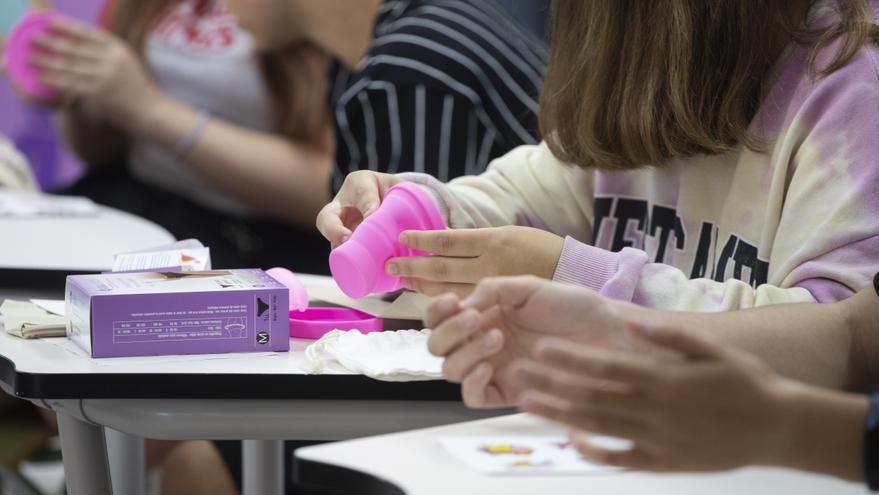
<point>822,431</point>
<point>790,419</point>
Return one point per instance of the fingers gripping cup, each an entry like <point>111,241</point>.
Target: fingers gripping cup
<point>19,50</point>
<point>358,265</point>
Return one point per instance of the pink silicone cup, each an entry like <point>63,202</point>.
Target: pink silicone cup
<point>298,292</point>
<point>19,50</point>
<point>314,323</point>
<point>358,266</point>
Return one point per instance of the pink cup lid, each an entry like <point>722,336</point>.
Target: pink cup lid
<point>298,292</point>
<point>19,50</point>
<point>314,323</point>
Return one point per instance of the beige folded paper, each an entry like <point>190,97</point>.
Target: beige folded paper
<point>29,321</point>
<point>406,306</point>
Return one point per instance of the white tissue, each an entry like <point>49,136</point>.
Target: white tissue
<point>393,356</point>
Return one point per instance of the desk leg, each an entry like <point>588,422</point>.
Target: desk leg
<point>127,459</point>
<point>85,456</point>
<point>263,463</point>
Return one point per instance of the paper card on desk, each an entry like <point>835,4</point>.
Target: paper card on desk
<point>407,306</point>
<point>17,204</point>
<point>50,305</point>
<point>184,244</point>
<point>189,255</point>
<point>526,454</point>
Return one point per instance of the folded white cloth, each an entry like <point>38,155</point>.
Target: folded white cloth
<point>29,321</point>
<point>394,356</point>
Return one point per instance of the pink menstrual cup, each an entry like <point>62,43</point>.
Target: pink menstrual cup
<point>358,265</point>
<point>19,50</point>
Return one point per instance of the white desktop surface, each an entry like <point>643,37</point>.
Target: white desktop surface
<point>41,356</point>
<point>76,243</point>
<point>415,463</point>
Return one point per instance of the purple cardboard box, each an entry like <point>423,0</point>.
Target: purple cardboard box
<point>160,313</point>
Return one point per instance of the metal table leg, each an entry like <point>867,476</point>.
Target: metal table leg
<point>263,464</point>
<point>127,459</point>
<point>85,456</point>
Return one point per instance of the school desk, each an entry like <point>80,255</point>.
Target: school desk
<point>258,398</point>
<point>38,253</point>
<point>413,463</point>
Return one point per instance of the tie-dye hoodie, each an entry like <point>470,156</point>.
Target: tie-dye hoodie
<point>797,222</point>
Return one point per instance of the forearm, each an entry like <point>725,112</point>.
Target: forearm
<point>528,186</point>
<point>269,173</point>
<point>94,140</point>
<point>808,342</point>
<point>826,432</point>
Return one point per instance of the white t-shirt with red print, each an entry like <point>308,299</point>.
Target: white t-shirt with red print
<point>198,55</point>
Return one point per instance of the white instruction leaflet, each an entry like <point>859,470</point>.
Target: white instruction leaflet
<point>55,307</point>
<point>17,204</point>
<point>189,255</point>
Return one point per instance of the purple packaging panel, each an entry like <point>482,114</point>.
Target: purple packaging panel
<point>163,313</point>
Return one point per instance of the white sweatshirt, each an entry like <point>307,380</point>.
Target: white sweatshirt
<point>798,222</point>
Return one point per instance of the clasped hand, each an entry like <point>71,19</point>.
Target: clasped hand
<point>94,68</point>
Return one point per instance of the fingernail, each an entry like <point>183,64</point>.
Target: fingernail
<point>449,303</point>
<point>344,239</point>
<point>470,319</point>
<point>371,207</point>
<point>404,238</point>
<point>391,268</point>
<point>491,340</point>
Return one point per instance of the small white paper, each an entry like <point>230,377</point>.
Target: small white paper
<point>188,255</point>
<point>16,204</point>
<point>526,454</point>
<point>50,305</point>
<point>184,244</point>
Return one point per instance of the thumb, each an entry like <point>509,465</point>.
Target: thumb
<point>501,291</point>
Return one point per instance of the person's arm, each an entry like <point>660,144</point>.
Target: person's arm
<point>826,433</point>
<point>832,345</point>
<point>528,187</point>
<point>112,90</point>
<point>268,172</point>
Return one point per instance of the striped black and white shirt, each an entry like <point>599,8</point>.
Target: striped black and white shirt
<point>446,86</point>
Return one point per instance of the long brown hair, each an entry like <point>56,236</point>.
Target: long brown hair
<point>632,83</point>
<point>295,77</point>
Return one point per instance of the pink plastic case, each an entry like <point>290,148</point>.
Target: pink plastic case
<point>314,323</point>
